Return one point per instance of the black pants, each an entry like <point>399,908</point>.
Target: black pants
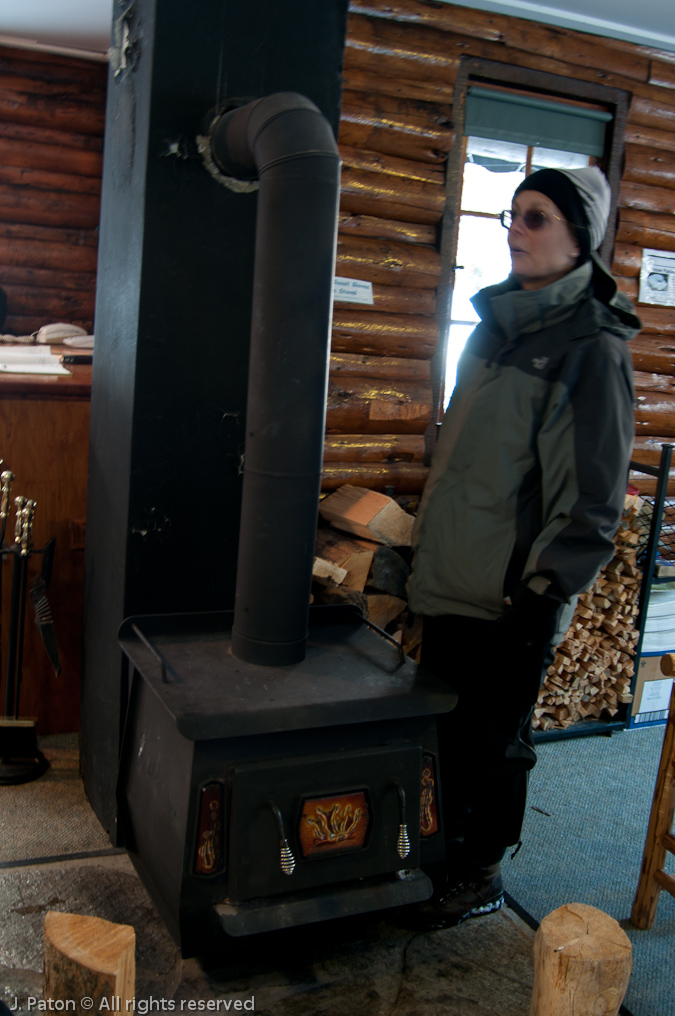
<point>485,743</point>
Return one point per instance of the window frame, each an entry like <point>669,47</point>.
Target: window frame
<point>475,70</point>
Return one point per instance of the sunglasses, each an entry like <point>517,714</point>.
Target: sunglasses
<point>532,219</point>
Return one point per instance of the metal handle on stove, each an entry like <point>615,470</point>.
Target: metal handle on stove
<point>387,636</point>
<point>286,860</point>
<point>403,841</point>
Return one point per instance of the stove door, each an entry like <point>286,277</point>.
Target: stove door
<point>323,819</point>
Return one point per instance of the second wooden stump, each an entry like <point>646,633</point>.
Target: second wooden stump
<point>582,963</point>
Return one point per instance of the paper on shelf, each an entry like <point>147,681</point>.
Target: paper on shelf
<point>32,365</point>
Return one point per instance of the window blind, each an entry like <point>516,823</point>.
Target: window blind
<point>532,121</point>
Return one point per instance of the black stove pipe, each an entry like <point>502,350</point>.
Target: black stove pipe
<point>286,142</point>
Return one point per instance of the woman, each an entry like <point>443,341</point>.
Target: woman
<point>523,499</point>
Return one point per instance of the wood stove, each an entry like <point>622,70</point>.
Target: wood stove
<point>279,763</point>
<point>273,797</point>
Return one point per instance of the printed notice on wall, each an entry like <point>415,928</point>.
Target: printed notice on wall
<point>657,277</point>
<point>353,290</point>
<point>655,695</point>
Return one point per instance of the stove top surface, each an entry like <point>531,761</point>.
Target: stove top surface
<point>351,674</point>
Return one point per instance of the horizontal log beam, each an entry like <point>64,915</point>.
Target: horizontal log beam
<point>416,54</point>
<point>655,414</point>
<point>53,112</point>
<point>653,354</point>
<point>382,448</point>
<point>649,199</point>
<point>386,229</point>
<point>566,45</point>
<point>639,236</point>
<point>46,136</point>
<point>359,197</point>
<point>444,17</point>
<point>25,81</point>
<point>661,73</point>
<point>634,134</point>
<point>39,254</point>
<point>396,300</point>
<point>55,305</point>
<point>388,262</point>
<point>650,220</point>
<point>384,335</point>
<point>657,320</point>
<point>49,234</point>
<point>647,450</point>
<point>376,84</point>
<point>386,367</point>
<point>373,126</point>
<point>403,477</point>
<point>650,166</point>
<point>46,278</point>
<point>55,158</point>
<point>648,108</point>
<point>652,382</point>
<point>51,208</point>
<point>372,406</point>
<point>392,166</point>
<point>52,67</point>
<point>387,48</point>
<point>47,180</point>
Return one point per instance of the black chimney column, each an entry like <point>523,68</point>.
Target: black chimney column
<point>173,322</point>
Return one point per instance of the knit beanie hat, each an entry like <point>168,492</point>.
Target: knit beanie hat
<point>582,195</point>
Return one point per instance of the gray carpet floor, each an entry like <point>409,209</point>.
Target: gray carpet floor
<point>583,840</point>
<point>60,818</point>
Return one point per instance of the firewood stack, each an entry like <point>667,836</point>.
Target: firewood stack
<point>361,558</point>
<point>590,676</point>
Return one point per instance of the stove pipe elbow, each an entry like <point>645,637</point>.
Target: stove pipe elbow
<point>285,142</point>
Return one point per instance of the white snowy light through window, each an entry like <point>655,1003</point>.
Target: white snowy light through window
<point>492,172</point>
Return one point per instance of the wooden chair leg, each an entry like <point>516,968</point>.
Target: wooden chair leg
<point>582,963</point>
<point>659,840</point>
<point>87,957</point>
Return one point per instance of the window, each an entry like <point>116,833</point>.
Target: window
<point>508,134</point>
<point>492,171</point>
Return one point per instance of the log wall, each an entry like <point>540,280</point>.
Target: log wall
<point>52,113</point>
<point>396,131</point>
<point>397,128</point>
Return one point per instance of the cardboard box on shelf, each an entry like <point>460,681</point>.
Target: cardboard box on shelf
<point>652,692</point>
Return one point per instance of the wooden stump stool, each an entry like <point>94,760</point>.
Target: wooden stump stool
<point>87,957</point>
<point>582,962</point>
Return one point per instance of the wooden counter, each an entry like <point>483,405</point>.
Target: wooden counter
<point>44,437</point>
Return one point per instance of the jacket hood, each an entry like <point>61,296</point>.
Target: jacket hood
<point>518,311</point>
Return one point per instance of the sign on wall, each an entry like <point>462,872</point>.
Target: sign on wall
<point>657,277</point>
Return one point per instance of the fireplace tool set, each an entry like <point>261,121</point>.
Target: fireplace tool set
<point>20,758</point>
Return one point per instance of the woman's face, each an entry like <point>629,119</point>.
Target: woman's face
<point>540,256</point>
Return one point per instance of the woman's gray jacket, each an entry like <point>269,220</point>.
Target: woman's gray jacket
<point>528,479</point>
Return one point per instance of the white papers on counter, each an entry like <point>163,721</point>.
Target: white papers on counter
<point>29,360</point>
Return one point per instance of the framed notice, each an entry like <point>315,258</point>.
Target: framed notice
<point>657,277</point>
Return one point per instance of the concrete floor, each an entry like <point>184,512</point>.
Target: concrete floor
<point>370,966</point>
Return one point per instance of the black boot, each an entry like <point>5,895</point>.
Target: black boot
<point>479,893</point>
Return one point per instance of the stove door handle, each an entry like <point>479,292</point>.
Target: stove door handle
<point>286,860</point>
<point>403,840</point>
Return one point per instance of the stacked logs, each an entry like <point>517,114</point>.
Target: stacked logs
<point>362,559</point>
<point>401,62</point>
<point>51,140</point>
<point>590,677</point>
